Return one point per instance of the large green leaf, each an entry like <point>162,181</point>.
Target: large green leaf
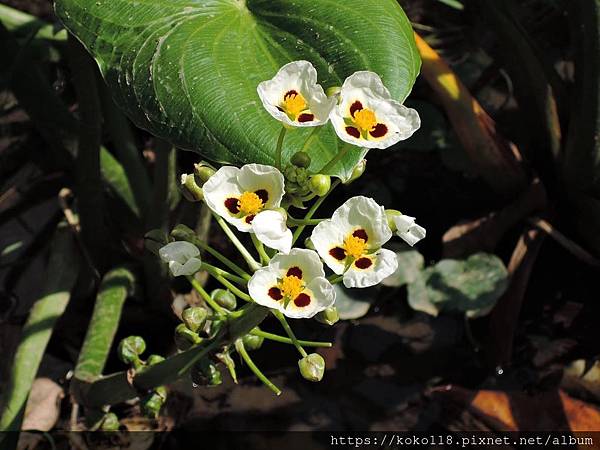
<point>187,70</point>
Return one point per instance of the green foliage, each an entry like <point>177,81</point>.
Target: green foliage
<point>410,264</point>
<point>471,286</point>
<point>188,71</point>
<point>353,304</point>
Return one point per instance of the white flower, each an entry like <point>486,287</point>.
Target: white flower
<point>350,243</point>
<point>294,284</point>
<point>367,116</point>
<point>408,230</point>
<point>246,199</point>
<point>294,97</point>
<point>182,257</point>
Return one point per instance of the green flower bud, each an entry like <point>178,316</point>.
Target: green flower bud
<point>329,316</point>
<point>154,240</point>
<point>190,189</point>
<point>252,342</point>
<point>194,318</point>
<point>224,298</point>
<point>308,243</point>
<point>153,402</point>
<point>301,159</point>
<point>185,338</point>
<point>203,171</point>
<point>154,359</point>
<point>205,373</point>
<point>334,90</point>
<point>391,213</point>
<point>359,169</point>
<point>312,367</point>
<point>110,422</point>
<point>320,184</point>
<point>130,349</point>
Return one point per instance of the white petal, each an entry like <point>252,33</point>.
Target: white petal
<point>307,260</point>
<point>179,251</point>
<point>322,296</point>
<point>385,264</point>
<point>189,268</point>
<point>408,230</point>
<point>259,285</point>
<point>254,177</point>
<point>326,236</point>
<point>221,186</point>
<point>271,229</point>
<point>300,76</point>
<point>363,212</point>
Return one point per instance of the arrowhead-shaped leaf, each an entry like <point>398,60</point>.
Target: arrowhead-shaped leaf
<point>187,70</point>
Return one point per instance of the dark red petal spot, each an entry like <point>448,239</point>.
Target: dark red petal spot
<point>363,263</point>
<point>338,253</point>
<point>275,293</point>
<point>249,218</point>
<point>362,234</point>
<point>290,94</point>
<point>294,272</point>
<point>302,300</point>
<point>263,195</point>
<point>232,205</point>
<point>356,106</point>
<point>353,132</point>
<point>379,130</point>
<point>305,117</point>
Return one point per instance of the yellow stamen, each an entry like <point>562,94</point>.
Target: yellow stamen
<point>250,203</point>
<point>355,246</point>
<point>291,286</point>
<point>294,104</point>
<point>365,119</point>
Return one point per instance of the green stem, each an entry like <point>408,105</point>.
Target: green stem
<point>289,332</point>
<point>252,263</point>
<point>264,258</point>
<point>311,212</point>
<point>229,286</point>
<point>239,346</point>
<point>310,138</point>
<point>336,159</point>
<point>205,296</point>
<point>307,222</point>
<point>284,340</point>
<point>279,147</point>
<point>223,273</point>
<point>335,279</point>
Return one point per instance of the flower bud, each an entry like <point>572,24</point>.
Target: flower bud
<point>154,240</point>
<point>190,189</point>
<point>301,159</point>
<point>194,318</point>
<point>308,243</point>
<point>130,349</point>
<point>182,257</point>
<point>312,367</point>
<point>203,171</point>
<point>333,90</point>
<point>185,338</point>
<point>154,359</point>
<point>110,422</point>
<point>359,169</point>
<point>153,402</point>
<point>391,213</point>
<point>205,373</point>
<point>328,316</point>
<point>320,184</point>
<point>224,298</point>
<point>252,342</point>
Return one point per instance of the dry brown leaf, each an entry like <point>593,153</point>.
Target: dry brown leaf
<point>43,405</point>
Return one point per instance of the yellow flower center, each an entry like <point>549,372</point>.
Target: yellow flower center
<point>250,203</point>
<point>294,104</point>
<point>291,286</point>
<point>355,246</point>
<point>365,119</point>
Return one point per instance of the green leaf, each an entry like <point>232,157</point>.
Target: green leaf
<point>62,273</point>
<point>115,287</point>
<point>187,70</point>
<point>354,303</point>
<point>410,264</point>
<point>115,176</point>
<point>472,286</point>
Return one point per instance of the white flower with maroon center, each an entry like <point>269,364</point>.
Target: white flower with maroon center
<point>350,243</point>
<point>294,284</point>
<point>294,97</point>
<point>408,229</point>
<point>367,116</point>
<point>248,198</point>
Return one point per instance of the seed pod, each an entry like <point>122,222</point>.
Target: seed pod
<point>224,298</point>
<point>130,349</point>
<point>154,359</point>
<point>329,316</point>
<point>205,373</point>
<point>312,367</point>
<point>110,422</point>
<point>190,189</point>
<point>153,402</point>
<point>185,338</point>
<point>252,342</point>
<point>194,318</point>
<point>301,159</point>
<point>320,184</point>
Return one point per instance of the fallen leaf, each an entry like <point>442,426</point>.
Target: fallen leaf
<point>43,405</point>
